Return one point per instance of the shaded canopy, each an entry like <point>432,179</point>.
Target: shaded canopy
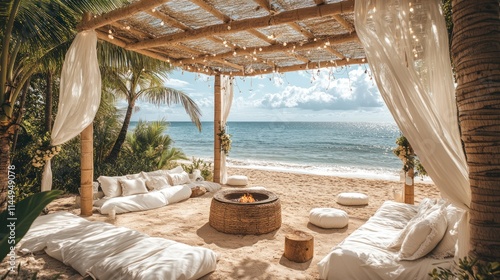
<point>237,37</point>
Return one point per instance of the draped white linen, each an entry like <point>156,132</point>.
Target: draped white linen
<point>406,45</point>
<point>79,94</point>
<point>227,101</point>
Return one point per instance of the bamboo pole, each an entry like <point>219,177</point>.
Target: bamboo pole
<point>87,170</point>
<point>217,120</point>
<point>86,160</point>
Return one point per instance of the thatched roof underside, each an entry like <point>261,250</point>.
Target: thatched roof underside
<point>236,37</point>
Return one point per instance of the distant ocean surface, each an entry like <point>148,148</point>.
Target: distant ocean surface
<point>362,150</point>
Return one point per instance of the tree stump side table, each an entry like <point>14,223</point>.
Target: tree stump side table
<point>299,246</point>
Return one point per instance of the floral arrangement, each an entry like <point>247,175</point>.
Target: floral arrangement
<point>43,154</point>
<point>225,140</point>
<point>405,152</point>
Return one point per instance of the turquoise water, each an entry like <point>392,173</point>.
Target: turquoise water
<point>329,148</point>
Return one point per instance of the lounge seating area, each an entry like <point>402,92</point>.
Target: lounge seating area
<point>147,190</point>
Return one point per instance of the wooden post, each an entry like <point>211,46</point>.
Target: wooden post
<point>409,193</point>
<point>299,246</point>
<point>86,160</point>
<point>87,170</point>
<point>217,120</point>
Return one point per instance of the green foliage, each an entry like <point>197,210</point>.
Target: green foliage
<point>204,167</point>
<point>468,268</point>
<point>25,212</point>
<point>149,148</point>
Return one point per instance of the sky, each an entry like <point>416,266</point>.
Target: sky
<point>329,94</point>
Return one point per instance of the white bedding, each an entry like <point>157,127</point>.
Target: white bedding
<point>364,254</point>
<point>104,251</point>
<point>152,199</point>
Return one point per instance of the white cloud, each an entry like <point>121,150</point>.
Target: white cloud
<point>328,93</point>
<point>176,83</point>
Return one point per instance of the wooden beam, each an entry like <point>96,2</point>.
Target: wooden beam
<point>87,170</point>
<point>234,65</point>
<point>261,36</point>
<point>302,31</point>
<point>241,25</point>
<point>335,52</point>
<point>300,57</point>
<point>304,66</point>
<point>264,4</point>
<point>211,9</point>
<point>347,25</point>
<point>120,13</point>
<point>121,43</point>
<point>168,19</point>
<point>275,48</point>
<point>130,29</point>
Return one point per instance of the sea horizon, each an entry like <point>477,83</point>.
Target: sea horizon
<point>331,148</point>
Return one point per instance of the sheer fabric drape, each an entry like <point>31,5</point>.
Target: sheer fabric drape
<point>406,45</point>
<point>79,94</point>
<point>227,101</point>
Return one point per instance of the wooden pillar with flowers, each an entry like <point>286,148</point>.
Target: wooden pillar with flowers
<point>217,127</point>
<point>405,152</point>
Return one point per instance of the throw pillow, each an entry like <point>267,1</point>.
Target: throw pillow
<point>110,185</point>
<point>133,186</point>
<point>176,170</point>
<point>156,183</point>
<point>425,206</point>
<point>446,248</point>
<point>135,176</point>
<point>424,235</point>
<point>179,178</point>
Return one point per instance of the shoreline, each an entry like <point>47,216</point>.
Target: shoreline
<point>245,256</point>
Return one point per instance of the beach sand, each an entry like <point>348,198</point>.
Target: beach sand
<point>251,256</point>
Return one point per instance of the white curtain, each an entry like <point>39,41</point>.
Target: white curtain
<point>79,94</point>
<point>406,45</point>
<point>227,101</point>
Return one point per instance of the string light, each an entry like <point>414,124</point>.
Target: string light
<point>162,23</point>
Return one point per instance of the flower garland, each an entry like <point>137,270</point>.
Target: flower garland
<point>43,154</point>
<point>225,140</point>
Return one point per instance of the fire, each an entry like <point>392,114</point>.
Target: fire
<point>246,198</point>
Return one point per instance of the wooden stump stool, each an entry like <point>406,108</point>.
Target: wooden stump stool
<point>299,246</point>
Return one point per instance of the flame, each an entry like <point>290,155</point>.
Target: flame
<point>246,198</point>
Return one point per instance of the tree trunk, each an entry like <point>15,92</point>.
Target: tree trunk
<point>48,102</point>
<point>113,155</point>
<point>476,54</point>
<point>4,166</point>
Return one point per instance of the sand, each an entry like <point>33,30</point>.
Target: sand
<point>251,256</point>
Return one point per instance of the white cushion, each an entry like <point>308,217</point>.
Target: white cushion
<point>135,176</point>
<point>328,217</point>
<point>237,180</point>
<point>446,247</point>
<point>111,185</point>
<point>176,193</point>
<point>133,186</point>
<point>426,206</point>
<point>424,235</point>
<point>156,183</point>
<point>352,199</point>
<point>176,170</point>
<point>178,178</point>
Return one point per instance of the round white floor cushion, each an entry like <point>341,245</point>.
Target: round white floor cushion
<point>328,217</point>
<point>237,180</point>
<point>352,199</point>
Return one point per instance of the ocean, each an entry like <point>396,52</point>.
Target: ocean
<point>361,150</point>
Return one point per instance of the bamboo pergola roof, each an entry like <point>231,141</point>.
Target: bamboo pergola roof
<point>236,37</point>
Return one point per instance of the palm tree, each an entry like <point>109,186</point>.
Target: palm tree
<point>30,31</point>
<point>476,55</point>
<point>144,80</point>
<point>150,148</point>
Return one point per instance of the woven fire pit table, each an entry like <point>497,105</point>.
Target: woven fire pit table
<point>228,215</point>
